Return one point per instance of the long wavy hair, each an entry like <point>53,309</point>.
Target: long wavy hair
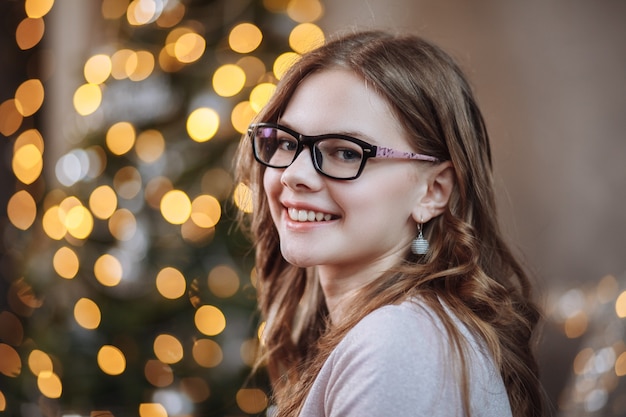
<point>469,268</point>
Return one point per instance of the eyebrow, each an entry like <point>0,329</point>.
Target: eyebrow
<point>352,133</point>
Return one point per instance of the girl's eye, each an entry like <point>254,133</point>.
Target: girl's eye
<point>287,144</point>
<point>348,154</point>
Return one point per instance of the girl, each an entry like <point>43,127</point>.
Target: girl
<point>384,280</point>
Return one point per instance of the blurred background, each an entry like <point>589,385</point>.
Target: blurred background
<point>125,287</point>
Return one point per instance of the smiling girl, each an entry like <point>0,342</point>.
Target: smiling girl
<point>384,280</point>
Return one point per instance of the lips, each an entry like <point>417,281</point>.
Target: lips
<point>308,215</point>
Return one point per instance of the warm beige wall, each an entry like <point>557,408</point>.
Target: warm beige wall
<point>551,80</point>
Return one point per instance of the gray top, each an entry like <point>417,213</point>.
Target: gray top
<point>397,362</point>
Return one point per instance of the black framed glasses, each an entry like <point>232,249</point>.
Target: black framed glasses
<point>336,156</point>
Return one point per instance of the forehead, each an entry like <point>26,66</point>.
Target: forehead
<point>338,101</point>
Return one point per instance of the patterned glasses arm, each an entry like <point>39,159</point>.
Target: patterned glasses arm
<point>382,152</point>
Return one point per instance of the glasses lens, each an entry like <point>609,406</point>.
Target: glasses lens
<point>339,158</point>
<point>274,147</point>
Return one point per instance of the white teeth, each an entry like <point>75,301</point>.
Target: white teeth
<point>307,215</point>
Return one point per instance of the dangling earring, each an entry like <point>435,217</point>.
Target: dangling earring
<point>419,246</point>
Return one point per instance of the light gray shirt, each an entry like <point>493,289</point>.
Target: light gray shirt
<point>398,361</point>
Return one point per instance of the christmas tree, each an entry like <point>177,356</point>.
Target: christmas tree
<point>127,287</point>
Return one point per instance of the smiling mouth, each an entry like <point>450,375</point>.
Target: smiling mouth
<point>308,215</point>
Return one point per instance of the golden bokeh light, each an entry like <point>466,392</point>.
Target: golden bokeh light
<point>10,362</point>
<point>39,361</point>
<point>243,198</point>
<point>251,400</point>
<point>103,202</point>
<point>140,65</point>
<point>305,10</point>
<point>228,80</point>
<point>49,384</point>
<point>87,99</point>
<point>607,289</point>
<point>120,63</point>
<point>207,353</point>
<point>620,305</point>
<point>108,270</point>
<point>150,145</point>
<point>52,224</point>
<point>10,118</point>
<point>79,222</point>
<point>189,47</point>
<point>171,283</point>
<point>254,69</point>
<point>111,360</point>
<point>141,12</point>
<point>120,138</point>
<point>87,313</point>
<point>127,182</point>
<point>29,137</point>
<point>245,38</point>
<point>260,95</point>
<point>206,211</point>
<point>152,410</point>
<point>581,360</point>
<point>202,124</point>
<point>97,69</point>
<point>123,225</point>
<point>305,37</point>
<point>113,9</point>
<point>158,373</point>
<point>27,163</point>
<point>29,33</point>
<point>283,63</point>
<point>175,207</point>
<point>168,349</point>
<point>576,325</point>
<point>22,210</point>
<point>241,116</point>
<point>3,401</point>
<point>223,281</point>
<point>66,262</point>
<point>37,8</point>
<point>210,320</point>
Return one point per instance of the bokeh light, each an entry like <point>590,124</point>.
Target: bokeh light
<point>87,99</point>
<point>108,270</point>
<point>97,69</point>
<point>305,10</point>
<point>10,118</point>
<point>243,198</point>
<point>152,410</point>
<point>29,97</point>
<point>171,283</point>
<point>241,116</point>
<point>120,138</point>
<point>10,362</point>
<point>111,360</point>
<point>168,349</point>
<point>251,400</point>
<point>176,207</point>
<point>206,211</point>
<point>22,210</point>
<point>260,95</point>
<point>223,281</point>
<point>66,262</point>
<point>87,313</point>
<point>245,38</point>
<point>210,320</point>
<point>49,384</point>
<point>103,202</point>
<point>305,37</point>
<point>228,80</point>
<point>158,373</point>
<point>39,361</point>
<point>37,8</point>
<point>29,32</point>
<point>202,124</point>
<point>207,353</point>
<point>27,163</point>
<point>150,145</point>
<point>189,47</point>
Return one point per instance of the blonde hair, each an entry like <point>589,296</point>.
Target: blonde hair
<point>468,267</point>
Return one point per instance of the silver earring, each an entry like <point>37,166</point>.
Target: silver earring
<point>419,246</point>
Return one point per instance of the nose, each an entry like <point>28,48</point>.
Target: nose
<point>301,173</point>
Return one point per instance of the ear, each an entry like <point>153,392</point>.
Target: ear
<point>440,184</point>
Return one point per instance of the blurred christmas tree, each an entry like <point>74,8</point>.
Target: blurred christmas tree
<point>127,288</point>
